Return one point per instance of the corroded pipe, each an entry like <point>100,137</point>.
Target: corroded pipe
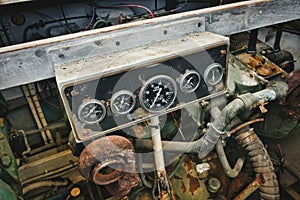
<point>252,187</point>
<point>110,161</point>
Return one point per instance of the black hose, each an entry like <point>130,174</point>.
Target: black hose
<point>261,163</point>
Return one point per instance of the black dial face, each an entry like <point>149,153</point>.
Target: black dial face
<point>122,102</point>
<point>213,74</point>
<point>189,81</point>
<point>91,111</point>
<point>158,93</point>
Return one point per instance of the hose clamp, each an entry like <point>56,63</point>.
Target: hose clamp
<point>218,131</point>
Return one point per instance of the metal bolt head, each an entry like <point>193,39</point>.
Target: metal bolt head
<point>75,192</point>
<point>6,160</point>
<point>213,185</point>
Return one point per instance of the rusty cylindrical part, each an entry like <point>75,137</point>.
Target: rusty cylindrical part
<point>261,163</point>
<point>110,161</point>
<point>252,187</point>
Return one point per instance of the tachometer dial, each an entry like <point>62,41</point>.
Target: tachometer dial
<point>158,93</point>
<point>91,111</point>
<point>213,74</point>
<point>122,102</point>
<point>189,81</point>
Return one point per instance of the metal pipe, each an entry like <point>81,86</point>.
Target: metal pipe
<point>206,143</point>
<point>163,183</point>
<point>245,125</point>
<point>261,163</point>
<point>252,187</point>
<point>232,173</point>
<point>37,185</point>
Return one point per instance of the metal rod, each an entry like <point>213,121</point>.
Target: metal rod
<point>252,187</point>
<point>163,183</point>
<point>34,112</point>
<point>39,110</point>
<point>252,42</point>
<point>278,38</point>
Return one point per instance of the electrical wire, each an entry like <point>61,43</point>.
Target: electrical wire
<point>126,6</point>
<point>92,18</point>
<point>58,21</point>
<point>137,6</point>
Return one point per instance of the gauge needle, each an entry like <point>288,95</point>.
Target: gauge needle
<point>122,102</point>
<point>188,82</point>
<point>156,97</point>
<point>91,111</point>
<point>213,76</point>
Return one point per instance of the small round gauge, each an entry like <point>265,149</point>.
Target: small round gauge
<point>91,111</point>
<point>213,74</point>
<point>189,81</point>
<point>122,102</point>
<point>158,93</point>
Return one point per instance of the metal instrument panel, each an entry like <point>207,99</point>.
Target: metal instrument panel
<point>89,87</point>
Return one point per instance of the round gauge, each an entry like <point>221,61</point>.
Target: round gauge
<point>158,93</point>
<point>213,74</point>
<point>91,111</point>
<point>189,81</point>
<point>122,102</point>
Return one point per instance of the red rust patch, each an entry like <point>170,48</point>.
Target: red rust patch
<point>194,183</point>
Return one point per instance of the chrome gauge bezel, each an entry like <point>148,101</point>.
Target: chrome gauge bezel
<point>118,94</point>
<point>86,103</point>
<point>209,69</point>
<point>149,81</point>
<point>184,76</point>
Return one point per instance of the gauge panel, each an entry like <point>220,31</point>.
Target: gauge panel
<point>135,95</point>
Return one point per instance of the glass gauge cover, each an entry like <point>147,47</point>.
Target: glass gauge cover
<point>158,93</point>
<point>91,111</point>
<point>213,74</point>
<point>189,81</point>
<point>122,102</point>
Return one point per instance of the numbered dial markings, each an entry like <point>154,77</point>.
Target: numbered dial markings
<point>158,93</point>
<point>91,111</point>
<point>213,74</point>
<point>122,102</point>
<point>189,81</point>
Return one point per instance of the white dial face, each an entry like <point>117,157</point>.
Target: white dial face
<point>213,74</point>
<point>91,111</point>
<point>158,93</point>
<point>189,81</point>
<point>122,102</point>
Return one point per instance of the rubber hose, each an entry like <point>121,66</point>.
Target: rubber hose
<point>261,163</point>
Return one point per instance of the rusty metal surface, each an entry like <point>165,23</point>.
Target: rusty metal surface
<point>260,64</point>
<point>110,161</point>
<point>252,187</point>
<point>292,100</point>
<point>187,184</point>
<point>30,62</point>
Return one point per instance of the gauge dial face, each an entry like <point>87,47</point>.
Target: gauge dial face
<point>158,93</point>
<point>189,81</point>
<point>213,74</point>
<point>122,102</point>
<point>91,111</point>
